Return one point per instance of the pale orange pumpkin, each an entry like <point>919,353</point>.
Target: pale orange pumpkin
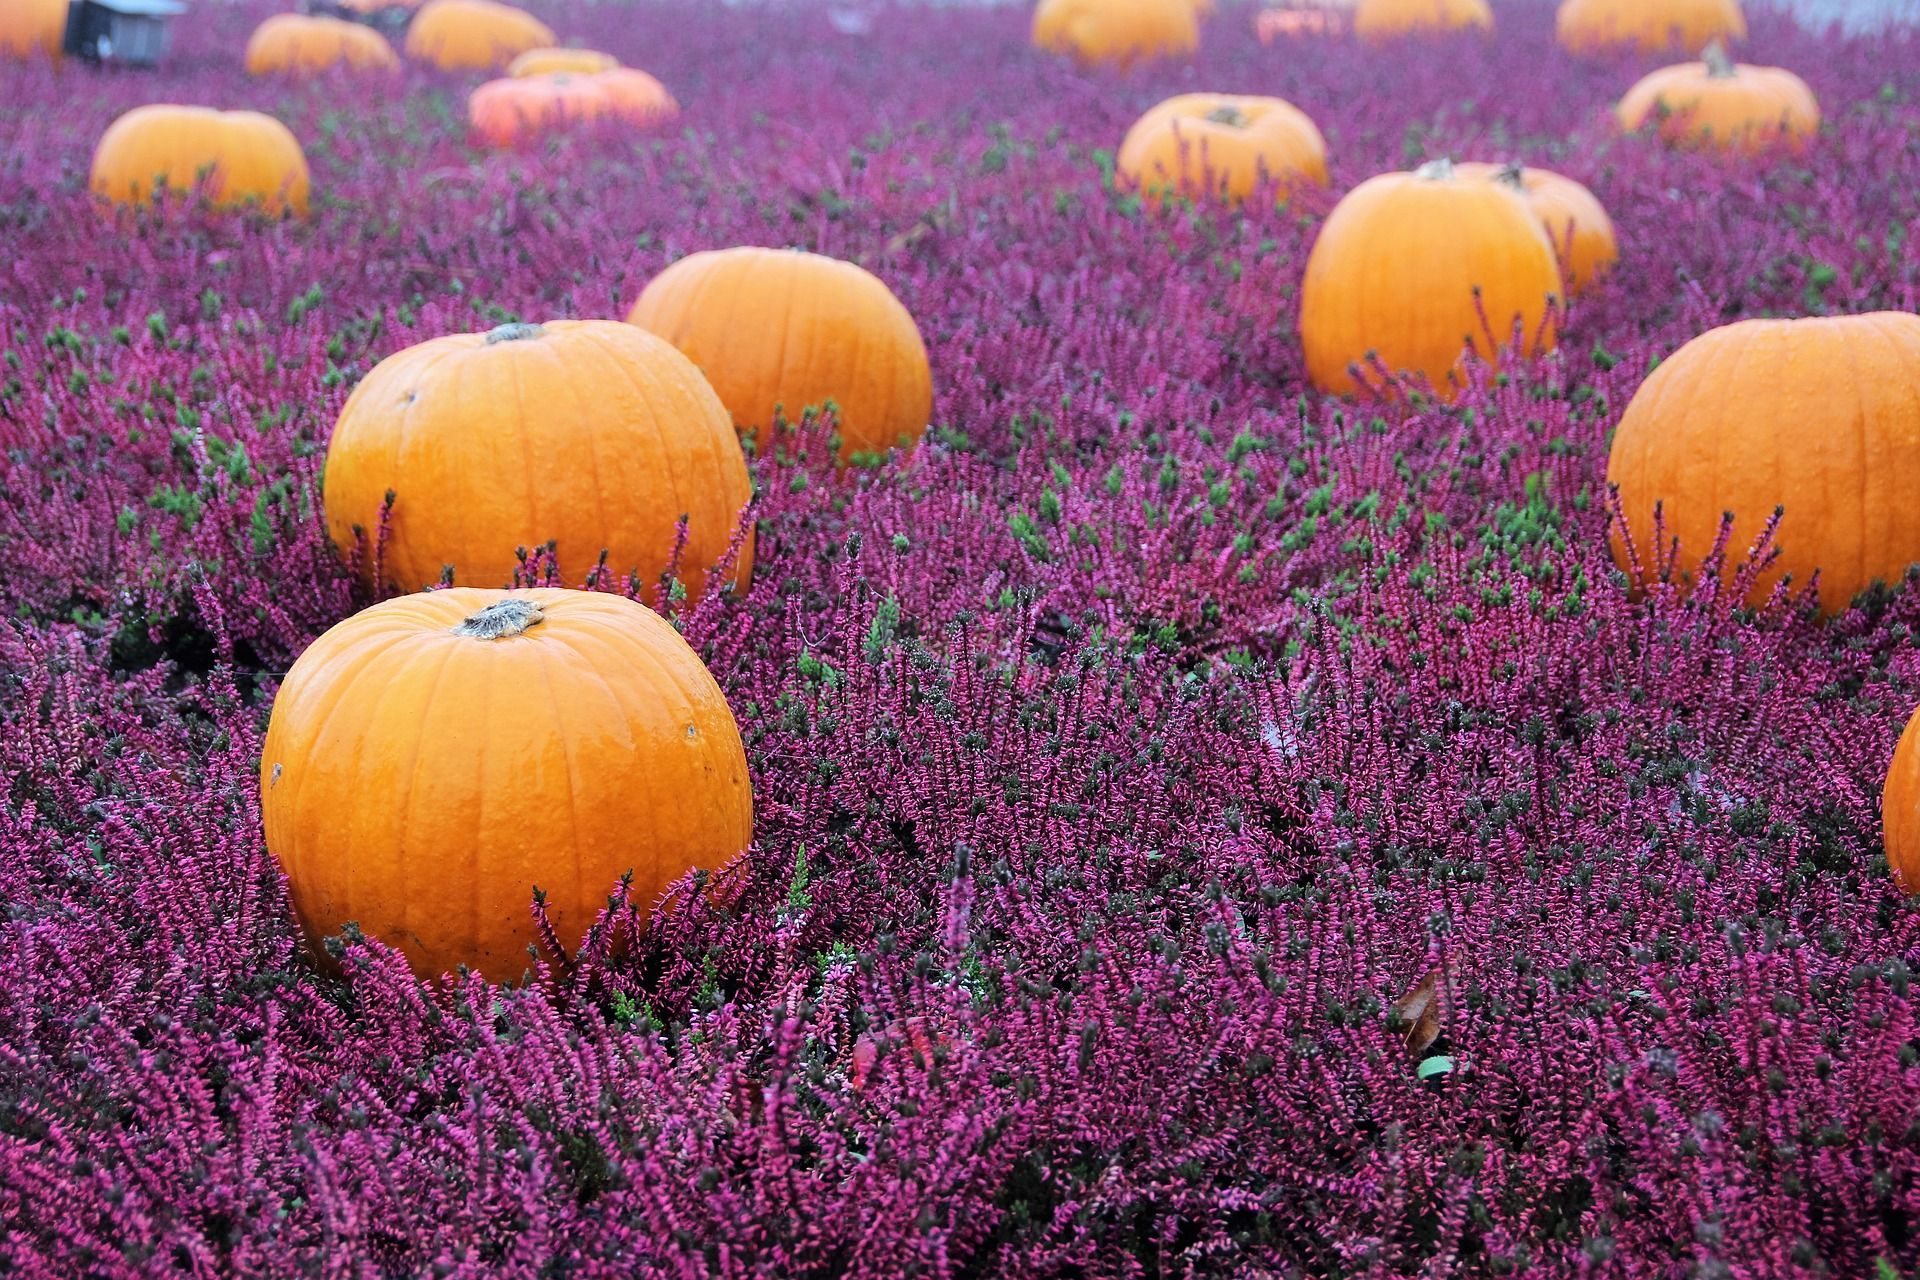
<point>293,43</point>
<point>32,29</point>
<point>432,761</point>
<point>246,157</point>
<point>1224,145</point>
<point>590,433</point>
<point>1574,219</point>
<point>777,329</point>
<point>503,112</point>
<point>1900,808</point>
<point>1647,26</point>
<point>474,35</point>
<point>636,96</point>
<point>1116,33</point>
<point>1376,20</point>
<point>1719,103</point>
<point>553,62</point>
<point>1397,267</point>
<point>1818,416</point>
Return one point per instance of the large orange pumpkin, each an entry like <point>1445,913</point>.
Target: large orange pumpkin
<point>1574,219</point>
<point>1819,416</point>
<point>1389,19</point>
<point>553,62</point>
<point>1900,807</point>
<point>474,35</point>
<point>1720,103</point>
<point>246,157</point>
<point>32,29</point>
<point>433,760</point>
<point>294,43</point>
<point>1116,33</point>
<point>587,432</point>
<point>777,329</point>
<point>503,112</point>
<point>1600,26</point>
<point>1205,143</point>
<point>1399,264</point>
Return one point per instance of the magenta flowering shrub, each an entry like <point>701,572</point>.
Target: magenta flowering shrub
<point>1124,756</point>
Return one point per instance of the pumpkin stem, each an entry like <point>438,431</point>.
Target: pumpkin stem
<point>1436,170</point>
<point>1227,113</point>
<point>1719,65</point>
<point>502,618</point>
<point>514,333</point>
<point>1514,174</point>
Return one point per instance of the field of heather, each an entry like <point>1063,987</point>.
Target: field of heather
<point>1200,824</point>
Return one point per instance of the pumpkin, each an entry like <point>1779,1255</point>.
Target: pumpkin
<point>587,432</point>
<point>474,35</point>
<point>1717,102</point>
<point>1900,806</point>
<point>1398,265</point>
<point>432,760</point>
<point>503,112</point>
<point>1819,416</point>
<point>32,29</point>
<point>782,330</point>
<point>1389,19</point>
<point>246,157</point>
<point>1117,33</point>
<point>1198,143</point>
<point>550,62</point>
<point>1286,24</point>
<point>292,42</point>
<point>1575,221</point>
<point>1647,26</point>
<point>634,95</point>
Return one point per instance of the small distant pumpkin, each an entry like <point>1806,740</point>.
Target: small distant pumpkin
<point>1575,220</point>
<point>292,43</point>
<point>590,433</point>
<point>433,760</point>
<point>1647,26</point>
<point>1375,20</point>
<point>474,35</point>
<point>32,29</point>
<point>1270,25</point>
<point>246,157</point>
<point>1900,808</point>
<point>504,112</point>
<point>1717,102</point>
<point>1217,144</point>
<point>1819,416</point>
<point>1116,33</point>
<point>554,62</point>
<point>778,329</point>
<point>1405,264</point>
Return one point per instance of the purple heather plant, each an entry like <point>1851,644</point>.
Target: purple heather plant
<point>1124,754</point>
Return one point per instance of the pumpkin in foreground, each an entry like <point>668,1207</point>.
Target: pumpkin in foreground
<point>292,43</point>
<point>1646,26</point>
<point>1900,807</point>
<point>1717,102</point>
<point>590,433</point>
<point>1819,416</point>
<point>779,332</point>
<point>474,35</point>
<point>32,29</point>
<point>433,760</point>
<point>514,109</point>
<point>246,158</point>
<point>1200,144</point>
<point>1116,33</point>
<point>1575,220</point>
<point>554,62</point>
<point>1376,20</point>
<point>1405,265</point>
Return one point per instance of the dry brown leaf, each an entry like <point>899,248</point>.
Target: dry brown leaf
<point>1423,1011</point>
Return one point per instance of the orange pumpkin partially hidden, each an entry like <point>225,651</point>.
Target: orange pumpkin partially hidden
<point>555,62</point>
<point>1376,20</point>
<point>1900,807</point>
<point>433,760</point>
<point>1819,416</point>
<point>1719,103</point>
<point>1574,219</point>
<point>590,433</point>
<point>247,158</point>
<point>1647,26</point>
<point>1215,144</point>
<point>503,112</point>
<point>32,29</point>
<point>474,35</point>
<point>1116,33</point>
<point>292,43</point>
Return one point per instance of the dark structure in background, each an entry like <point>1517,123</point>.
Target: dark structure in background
<point>390,19</point>
<point>131,32</point>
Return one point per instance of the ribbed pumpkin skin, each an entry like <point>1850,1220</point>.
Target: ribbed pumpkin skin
<point>777,327</point>
<point>554,62</point>
<point>32,29</point>
<point>1217,144</point>
<point>474,35</point>
<point>1575,221</point>
<point>1821,416</point>
<point>589,432</point>
<point>252,158</point>
<point>1648,26</point>
<point>1394,269</point>
<point>291,43</point>
<point>422,782</point>
<point>1390,19</point>
<point>1752,109</point>
<point>1900,804</point>
<point>1116,33</point>
<point>503,112</point>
